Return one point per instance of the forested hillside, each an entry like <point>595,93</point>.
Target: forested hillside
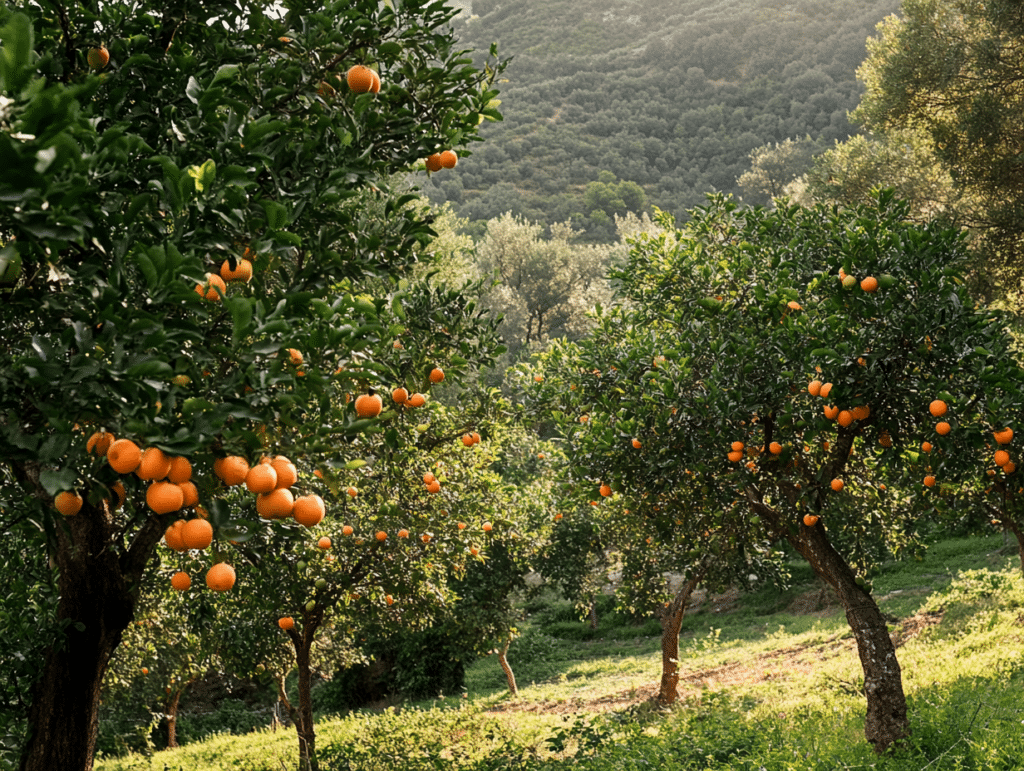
<point>614,105</point>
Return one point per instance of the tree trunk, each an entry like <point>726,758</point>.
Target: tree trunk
<point>886,721</point>
<point>671,620</point>
<point>593,614</point>
<point>1018,531</point>
<point>506,668</point>
<point>302,642</point>
<point>98,590</point>
<point>172,718</point>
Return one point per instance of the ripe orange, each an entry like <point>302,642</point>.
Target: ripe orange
<point>434,487</point>
<point>810,520</point>
<point>368,405</point>
<point>261,478</point>
<point>286,623</point>
<point>213,288</point>
<point>1003,437</point>
<point>1002,457</point>
<point>449,159</point>
<point>474,550</point>
<point>937,408</point>
<point>929,481</point>
<point>277,504</point>
<point>861,413</point>
<point>324,543</point>
<point>381,536</point>
<point>793,305</point>
<point>637,445</point>
<point>403,533</point>
<point>775,448</point>
<point>181,581</point>
<point>352,492</point>
<point>189,494</point>
<point>180,470</point>
<point>360,79</point>
<point>461,525</point>
<point>347,530</point>
<point>154,464</point>
<point>735,457</point>
<point>400,396</point>
<point>232,470</point>
<point>885,440</point>
<point>287,474</point>
<point>814,387</point>
<point>737,446</point>
<point>869,284</point>
<point>436,375</point>
<point>538,378</point>
<point>295,356</point>
<point>837,484</point>
<point>825,390</point>
<point>389,599</point>
<point>433,162</point>
<point>416,400</point>
<point>487,527</point>
<point>467,439</point>
<point>164,497</point>
<point>309,510</point>
<point>375,88</point>
<point>173,537</point>
<point>831,412</point>
<point>845,418</point>
<point>1010,467</point>
<point>428,478</point>
<point>426,537</point>
<point>605,490</point>
<point>99,442</point>
<point>943,428</point>
<point>197,534</point>
<point>68,504</point>
<point>926,446</point>
<point>242,271</point>
<point>98,57</point>
<point>124,456</point>
<point>220,577</point>
<point>584,418</point>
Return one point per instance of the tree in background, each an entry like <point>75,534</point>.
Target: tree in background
<point>183,255</point>
<point>812,375</point>
<point>774,166</point>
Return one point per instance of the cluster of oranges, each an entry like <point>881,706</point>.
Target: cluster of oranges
<point>868,284</point>
<point>214,285</point>
<point>443,160</point>
<point>271,480</point>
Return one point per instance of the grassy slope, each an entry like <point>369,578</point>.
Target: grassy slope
<point>776,688</point>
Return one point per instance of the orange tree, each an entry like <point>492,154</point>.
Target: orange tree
<point>788,366</point>
<point>148,151</point>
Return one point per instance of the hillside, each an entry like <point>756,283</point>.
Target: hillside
<point>671,95</point>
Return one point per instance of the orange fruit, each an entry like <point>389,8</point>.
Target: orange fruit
<point>242,271</point>
<point>584,418</point>
<point>775,448</point>
<point>189,494</point>
<point>476,437</point>
<point>403,533</point>
<point>286,623</point>
<point>869,284</point>
<point>99,442</point>
<point>861,413</point>
<point>436,375</point>
<point>426,537</point>
<point>831,412</point>
<point>433,162</point>
<point>197,534</point>
<point>124,456</point>
<point>487,527</point>
<point>605,490</point>
<point>287,475</point>
<point>926,446</point>
<point>1010,467</point>
<point>154,464</point>
<point>277,504</point>
<point>428,478</point>
<point>1002,457</point>
<point>172,536</point>
<point>538,378</point>
<point>793,305</point>
<point>1003,437</point>
<point>416,400</point>
<point>929,481</point>
<point>943,428</point>
<point>467,439</point>
<point>637,445</point>
<point>295,356</point>
<point>369,405</point>
<point>884,439</point>
<point>261,478</point>
<point>810,520</point>
<point>814,387</point>
<point>737,446</point>
<point>845,418</point>
<point>735,457</point>
<point>449,159</point>
<point>180,470</point>
<point>309,510</point>
<point>461,525</point>
<point>825,390</point>
<point>164,497</point>
<point>213,288</point>
<point>381,535</point>
<point>359,79</point>
<point>232,470</point>
<point>375,88</point>
<point>352,492</point>
<point>324,543</point>
<point>347,530</point>
<point>837,484</point>
<point>400,396</point>
<point>220,577</point>
<point>434,487</point>
<point>181,581</point>
<point>98,57</point>
<point>937,408</point>
<point>118,488</point>
<point>68,504</point>
<point>389,599</point>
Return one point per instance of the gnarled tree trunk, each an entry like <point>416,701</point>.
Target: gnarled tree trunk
<point>506,668</point>
<point>671,620</point>
<point>98,591</point>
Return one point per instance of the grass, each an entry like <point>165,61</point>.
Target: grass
<point>764,687</point>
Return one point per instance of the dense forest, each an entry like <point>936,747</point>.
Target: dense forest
<point>613,106</point>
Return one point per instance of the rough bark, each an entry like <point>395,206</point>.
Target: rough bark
<point>172,718</point>
<point>671,620</point>
<point>506,668</point>
<point>886,722</point>
<point>98,590</point>
<point>302,716</point>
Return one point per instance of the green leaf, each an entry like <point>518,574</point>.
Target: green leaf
<point>153,368</point>
<point>277,214</point>
<point>57,481</point>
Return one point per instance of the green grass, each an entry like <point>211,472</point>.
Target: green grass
<point>763,687</point>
